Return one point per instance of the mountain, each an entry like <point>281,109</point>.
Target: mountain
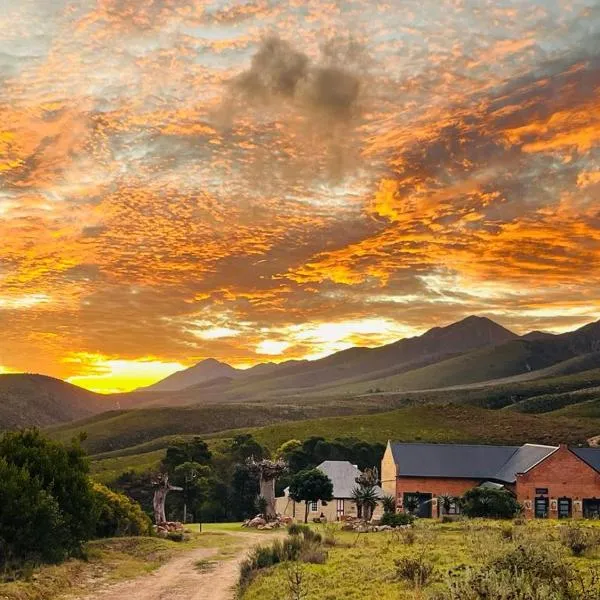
<point>205,370</point>
<point>348,367</point>
<point>28,400</point>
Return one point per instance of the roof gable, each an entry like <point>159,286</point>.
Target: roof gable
<point>591,456</point>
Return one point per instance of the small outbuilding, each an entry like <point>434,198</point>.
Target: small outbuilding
<point>343,475</point>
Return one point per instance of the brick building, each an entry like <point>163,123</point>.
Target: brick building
<point>549,481</point>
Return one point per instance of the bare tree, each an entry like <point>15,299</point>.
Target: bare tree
<point>161,488</point>
<point>268,471</point>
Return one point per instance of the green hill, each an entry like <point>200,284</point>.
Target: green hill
<point>442,423</point>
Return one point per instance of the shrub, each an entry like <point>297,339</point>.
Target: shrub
<point>176,536</point>
<point>579,539</point>
<point>389,504</point>
<point>30,520</point>
<point>330,532</point>
<point>490,503</point>
<point>314,554</point>
<point>55,483</point>
<point>416,569</point>
<point>397,519</point>
<point>297,528</point>
<point>117,515</point>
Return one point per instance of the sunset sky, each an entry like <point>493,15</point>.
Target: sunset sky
<point>265,180</point>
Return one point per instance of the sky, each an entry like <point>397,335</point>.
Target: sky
<point>259,181</point>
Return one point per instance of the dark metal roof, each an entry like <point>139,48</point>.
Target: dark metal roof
<point>500,463</point>
<point>526,457</point>
<point>589,455</point>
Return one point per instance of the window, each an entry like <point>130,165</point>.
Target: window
<point>313,507</point>
<point>541,491</point>
<point>339,507</point>
<point>564,508</point>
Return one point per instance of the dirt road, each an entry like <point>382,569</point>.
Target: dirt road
<point>181,579</point>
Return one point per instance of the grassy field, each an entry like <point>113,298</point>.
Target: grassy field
<point>363,566</point>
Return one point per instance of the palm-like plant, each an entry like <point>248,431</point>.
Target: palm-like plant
<point>411,503</point>
<point>389,504</point>
<point>446,501</point>
<point>366,499</point>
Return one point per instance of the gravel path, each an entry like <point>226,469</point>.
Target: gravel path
<point>180,578</point>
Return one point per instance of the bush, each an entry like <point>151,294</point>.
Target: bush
<point>117,515</point>
<point>30,520</point>
<point>297,528</point>
<point>416,569</point>
<point>55,483</point>
<point>397,519</point>
<point>176,536</point>
<point>490,503</point>
<point>579,539</point>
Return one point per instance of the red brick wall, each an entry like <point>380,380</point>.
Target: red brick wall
<point>565,475</point>
<point>432,485</point>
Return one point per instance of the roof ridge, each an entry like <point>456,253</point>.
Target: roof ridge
<point>461,445</point>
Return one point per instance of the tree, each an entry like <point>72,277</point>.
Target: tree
<point>365,495</point>
<point>30,520</point>
<point>62,472</point>
<point>190,477</point>
<point>161,488</point>
<point>491,503</point>
<point>267,472</point>
<point>287,448</point>
<point>310,485</point>
<point>195,450</point>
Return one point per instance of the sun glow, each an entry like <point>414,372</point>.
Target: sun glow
<point>107,375</point>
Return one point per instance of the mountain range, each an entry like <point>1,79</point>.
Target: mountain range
<point>475,353</point>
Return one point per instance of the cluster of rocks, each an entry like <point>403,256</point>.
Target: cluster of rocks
<point>361,527</point>
<point>259,522</point>
<point>164,529</point>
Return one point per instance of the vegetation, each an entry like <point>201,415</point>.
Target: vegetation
<point>301,545</point>
<point>49,507</point>
<point>310,485</point>
<point>489,503</point>
<point>396,519</point>
<point>464,560</point>
<point>117,515</point>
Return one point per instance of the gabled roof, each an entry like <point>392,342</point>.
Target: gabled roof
<point>524,459</point>
<point>343,476</point>
<point>464,461</point>
<point>591,456</point>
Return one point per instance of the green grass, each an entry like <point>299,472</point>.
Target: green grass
<point>362,566</point>
<point>108,469</point>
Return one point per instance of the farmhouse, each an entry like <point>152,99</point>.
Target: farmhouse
<point>343,476</point>
<point>549,481</point>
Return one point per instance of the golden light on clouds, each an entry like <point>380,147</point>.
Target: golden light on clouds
<point>189,179</point>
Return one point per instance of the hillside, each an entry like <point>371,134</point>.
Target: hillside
<point>442,423</point>
<point>27,400</point>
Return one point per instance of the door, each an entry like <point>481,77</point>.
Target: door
<point>591,508</point>
<point>339,509</point>
<point>541,508</point>
<point>564,508</point>
<point>418,504</point>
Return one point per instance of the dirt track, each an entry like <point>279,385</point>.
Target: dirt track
<point>180,579</point>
